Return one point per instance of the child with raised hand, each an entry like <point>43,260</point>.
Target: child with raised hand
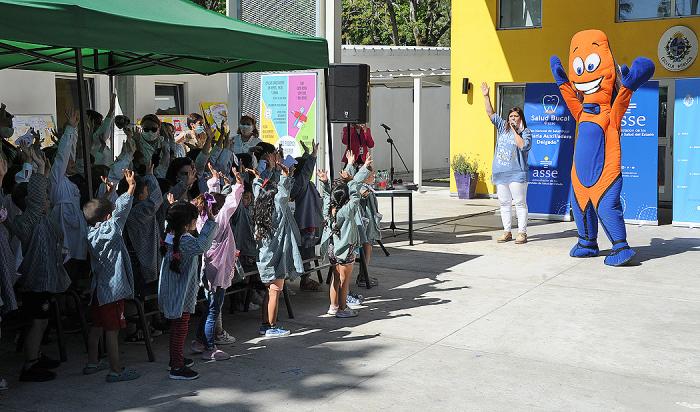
<point>112,279</point>
<point>368,220</point>
<point>308,211</point>
<point>278,236</point>
<point>341,234</point>
<point>43,274</point>
<point>179,282</point>
<point>142,239</point>
<point>219,261</point>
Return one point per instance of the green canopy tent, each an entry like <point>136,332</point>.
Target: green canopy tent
<point>135,37</point>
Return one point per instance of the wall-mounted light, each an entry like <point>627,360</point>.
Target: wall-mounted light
<point>465,85</point>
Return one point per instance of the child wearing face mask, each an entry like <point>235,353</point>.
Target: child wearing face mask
<point>248,135</point>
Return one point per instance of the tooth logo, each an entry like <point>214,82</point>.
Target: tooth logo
<point>550,103</point>
<point>688,101</point>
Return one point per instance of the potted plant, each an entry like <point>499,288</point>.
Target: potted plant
<point>466,170</point>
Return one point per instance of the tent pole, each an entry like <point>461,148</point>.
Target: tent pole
<point>331,175</point>
<point>82,99</point>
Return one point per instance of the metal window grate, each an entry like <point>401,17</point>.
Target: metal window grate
<point>295,16</point>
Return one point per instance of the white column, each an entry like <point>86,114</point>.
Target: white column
<point>329,25</point>
<point>417,165</point>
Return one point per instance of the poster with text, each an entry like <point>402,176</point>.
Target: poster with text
<point>551,155</point>
<point>179,122</point>
<point>686,153</point>
<point>288,111</point>
<point>640,146</point>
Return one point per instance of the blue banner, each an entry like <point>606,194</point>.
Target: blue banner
<point>686,153</point>
<point>639,142</point>
<point>551,156</point>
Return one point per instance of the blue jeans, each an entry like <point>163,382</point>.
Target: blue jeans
<point>216,301</point>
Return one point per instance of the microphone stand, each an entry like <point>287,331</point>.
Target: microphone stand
<point>390,186</point>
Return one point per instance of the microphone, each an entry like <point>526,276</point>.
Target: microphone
<point>385,126</point>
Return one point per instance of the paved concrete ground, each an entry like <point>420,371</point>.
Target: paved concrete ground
<point>458,323</point>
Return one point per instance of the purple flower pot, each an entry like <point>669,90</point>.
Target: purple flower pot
<point>466,185</point>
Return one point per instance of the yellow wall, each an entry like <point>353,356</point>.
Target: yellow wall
<point>482,53</point>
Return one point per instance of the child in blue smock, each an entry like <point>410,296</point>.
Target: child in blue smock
<point>278,237</point>
<point>341,235</point>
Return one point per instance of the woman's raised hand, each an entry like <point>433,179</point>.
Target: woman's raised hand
<point>485,89</point>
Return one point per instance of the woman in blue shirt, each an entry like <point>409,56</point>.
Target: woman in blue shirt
<point>509,171</point>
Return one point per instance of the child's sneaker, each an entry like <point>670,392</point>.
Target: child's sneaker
<point>353,302</point>
<point>346,313</point>
<point>215,355</point>
<point>36,374</point>
<point>332,310</point>
<point>357,296</point>
<point>45,362</point>
<point>127,374</point>
<point>188,363</point>
<point>224,339</point>
<point>276,332</point>
<point>263,329</point>
<point>183,374</point>
<point>197,347</point>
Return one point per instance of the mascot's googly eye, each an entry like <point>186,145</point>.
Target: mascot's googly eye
<point>578,65</point>
<point>592,62</point>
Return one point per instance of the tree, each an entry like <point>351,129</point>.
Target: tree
<point>397,22</point>
<point>218,6</point>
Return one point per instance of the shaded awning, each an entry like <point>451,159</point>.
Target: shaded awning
<point>145,37</point>
<point>404,78</point>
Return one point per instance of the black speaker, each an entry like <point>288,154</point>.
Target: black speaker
<point>348,93</point>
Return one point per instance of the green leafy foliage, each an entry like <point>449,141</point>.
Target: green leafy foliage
<point>397,22</point>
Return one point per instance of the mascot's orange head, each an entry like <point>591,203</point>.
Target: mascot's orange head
<point>592,69</point>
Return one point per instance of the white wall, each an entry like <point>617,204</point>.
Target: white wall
<point>197,89</point>
<point>394,107</point>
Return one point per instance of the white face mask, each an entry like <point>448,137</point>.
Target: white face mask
<point>150,136</point>
<point>6,132</point>
<point>246,128</point>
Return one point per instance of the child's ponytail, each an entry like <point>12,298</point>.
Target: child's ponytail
<point>179,216</point>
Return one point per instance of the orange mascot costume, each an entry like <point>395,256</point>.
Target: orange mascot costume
<point>597,93</point>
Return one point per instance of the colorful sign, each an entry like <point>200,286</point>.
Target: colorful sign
<point>640,147</point>
<point>42,123</point>
<point>288,110</point>
<point>214,113</point>
<point>178,121</point>
<point>551,155</point>
<point>686,153</point>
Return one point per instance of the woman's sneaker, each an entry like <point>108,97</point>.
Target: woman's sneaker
<point>346,313</point>
<point>197,346</point>
<point>215,355</point>
<point>276,332</point>
<point>353,302</point>
<point>224,339</point>
<point>263,329</point>
<point>183,374</point>
<point>505,237</point>
<point>332,310</point>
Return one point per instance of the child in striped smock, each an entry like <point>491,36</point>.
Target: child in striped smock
<point>179,280</point>
<point>112,278</point>
<point>43,274</point>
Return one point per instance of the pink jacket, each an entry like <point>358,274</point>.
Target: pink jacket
<point>220,259</point>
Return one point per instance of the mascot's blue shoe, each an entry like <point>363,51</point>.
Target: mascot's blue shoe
<point>584,249</point>
<point>621,255</point>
